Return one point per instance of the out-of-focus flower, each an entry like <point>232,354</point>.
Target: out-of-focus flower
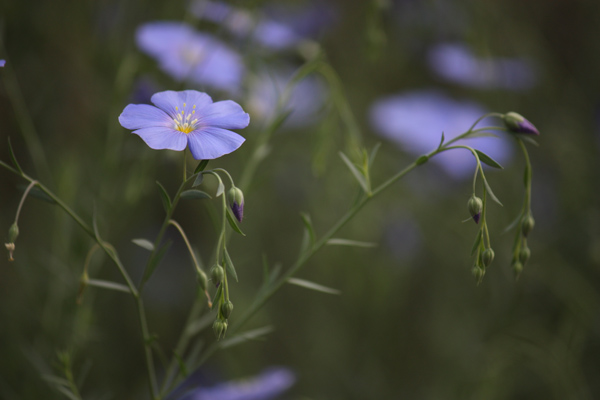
<point>456,63</point>
<point>187,118</point>
<point>305,100</point>
<point>186,54</point>
<point>273,28</point>
<point>415,121</point>
<point>2,63</point>
<point>266,386</point>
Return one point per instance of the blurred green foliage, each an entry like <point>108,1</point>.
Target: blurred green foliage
<point>410,322</point>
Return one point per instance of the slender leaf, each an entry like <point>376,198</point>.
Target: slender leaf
<point>195,194</point>
<point>489,190</point>
<point>13,158</point>
<point>441,141</point>
<point>229,265</point>
<point>529,139</point>
<point>313,286</point>
<point>477,242</point>
<point>164,197</point>
<point>347,242</point>
<point>67,392</point>
<point>233,222</point>
<point>215,300</point>
<point>155,260</point>
<point>309,228</point>
<point>144,243</point>
<point>182,367</point>
<point>374,153</point>
<point>108,285</point>
<point>201,166</point>
<point>279,120</point>
<point>488,160</point>
<point>220,189</point>
<point>199,179</point>
<point>38,194</point>
<point>513,224</point>
<point>254,334</point>
<point>357,174</point>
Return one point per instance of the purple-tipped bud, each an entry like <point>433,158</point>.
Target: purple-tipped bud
<point>236,201</point>
<point>475,206</point>
<point>516,123</point>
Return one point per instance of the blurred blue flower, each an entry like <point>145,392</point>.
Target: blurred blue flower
<point>187,118</point>
<point>456,63</point>
<point>415,121</point>
<point>274,28</point>
<point>305,100</point>
<point>186,54</point>
<point>2,63</point>
<point>268,385</point>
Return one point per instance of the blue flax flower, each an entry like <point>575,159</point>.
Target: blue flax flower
<point>268,385</point>
<point>187,118</point>
<point>2,63</point>
<point>186,54</point>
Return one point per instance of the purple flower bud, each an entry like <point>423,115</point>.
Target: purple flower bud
<point>2,63</point>
<point>236,200</point>
<point>475,206</point>
<point>516,123</point>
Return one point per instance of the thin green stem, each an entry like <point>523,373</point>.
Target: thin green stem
<point>29,187</point>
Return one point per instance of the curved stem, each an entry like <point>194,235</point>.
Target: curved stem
<point>29,187</point>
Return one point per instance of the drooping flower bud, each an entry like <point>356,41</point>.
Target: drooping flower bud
<point>477,273</point>
<point>516,123</point>
<point>517,267</point>
<point>527,225</point>
<point>11,248</point>
<point>236,202</point>
<point>475,205</point>
<point>202,280</point>
<point>220,327</point>
<point>524,255</point>
<point>487,257</point>
<point>217,273</point>
<point>13,232</point>
<point>227,308</point>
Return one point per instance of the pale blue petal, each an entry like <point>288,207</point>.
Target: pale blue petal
<point>136,116</point>
<point>159,138</point>
<point>209,143</point>
<point>2,63</point>
<point>158,38</point>
<point>169,100</point>
<point>224,114</point>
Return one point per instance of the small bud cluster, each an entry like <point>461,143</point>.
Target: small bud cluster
<point>222,303</point>
<point>521,252</point>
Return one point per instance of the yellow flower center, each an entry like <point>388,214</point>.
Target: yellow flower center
<point>183,119</point>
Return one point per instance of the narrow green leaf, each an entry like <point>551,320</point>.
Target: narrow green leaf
<point>513,224</point>
<point>529,139</point>
<point>233,222</point>
<point>13,158</point>
<point>198,181</point>
<point>279,120</point>
<point>182,367</point>
<point>488,160</point>
<point>477,242</point>
<point>164,197</point>
<point>374,153</point>
<point>220,189</point>
<point>441,141</point>
<point>229,265</point>
<point>347,242</point>
<point>254,334</point>
<point>357,174</point>
<point>201,166</point>
<point>265,269</point>
<point>489,190</point>
<point>215,300</point>
<point>309,228</point>
<point>313,286</point>
<point>195,194</point>
<point>108,285</point>
<point>67,392</point>
<point>38,194</point>
<point>155,260</point>
<point>144,243</point>
<point>55,380</point>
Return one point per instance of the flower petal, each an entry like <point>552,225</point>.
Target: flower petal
<point>159,138</point>
<point>137,116</point>
<point>225,114</point>
<point>210,142</point>
<point>169,99</point>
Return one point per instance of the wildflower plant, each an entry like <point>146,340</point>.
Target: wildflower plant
<point>190,119</point>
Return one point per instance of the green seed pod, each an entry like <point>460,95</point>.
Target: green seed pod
<point>219,328</point>
<point>217,274</point>
<point>227,308</point>
<point>13,232</point>
<point>487,257</point>
<point>524,254</point>
<point>527,225</point>
<point>475,206</point>
<point>517,267</point>
<point>202,280</point>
